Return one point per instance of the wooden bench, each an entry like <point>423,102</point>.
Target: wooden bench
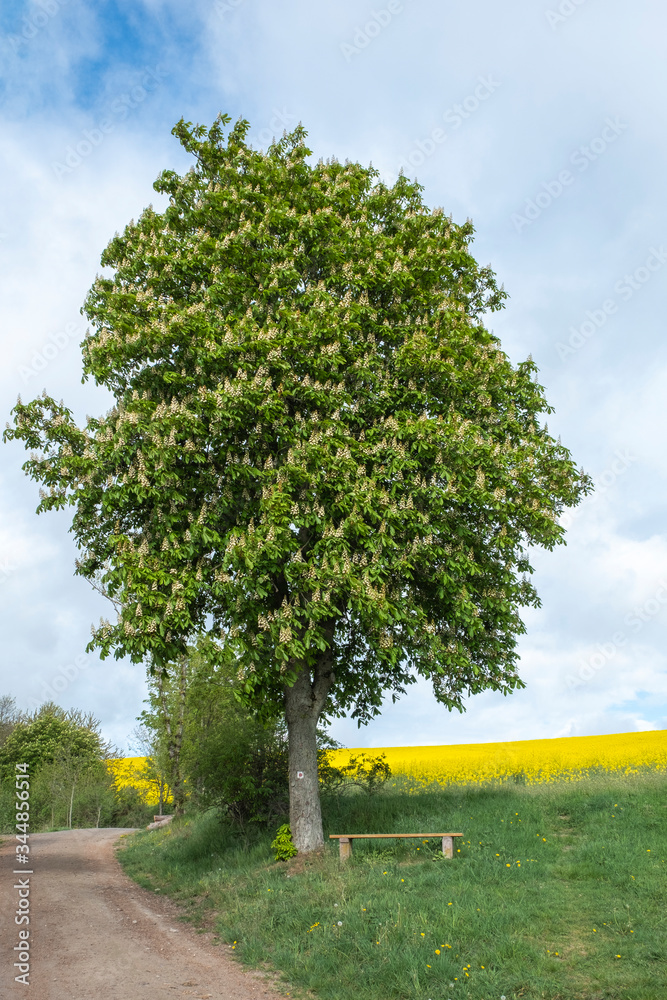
<point>345,840</point>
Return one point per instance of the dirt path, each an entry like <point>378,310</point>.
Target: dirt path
<point>95,934</point>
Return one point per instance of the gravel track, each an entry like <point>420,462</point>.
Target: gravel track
<point>96,935</point>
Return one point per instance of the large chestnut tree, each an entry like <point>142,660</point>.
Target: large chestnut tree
<point>318,455</point>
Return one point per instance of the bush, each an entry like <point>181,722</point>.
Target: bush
<point>241,766</point>
<point>283,844</point>
<point>129,808</point>
<point>362,771</point>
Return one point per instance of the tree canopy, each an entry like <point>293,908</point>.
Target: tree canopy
<point>318,454</point>
<point>49,734</point>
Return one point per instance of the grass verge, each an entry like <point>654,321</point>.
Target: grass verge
<point>557,893</point>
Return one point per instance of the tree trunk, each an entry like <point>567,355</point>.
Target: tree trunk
<point>71,806</point>
<point>304,702</point>
<point>175,735</point>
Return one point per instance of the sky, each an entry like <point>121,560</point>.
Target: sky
<point>543,121</point>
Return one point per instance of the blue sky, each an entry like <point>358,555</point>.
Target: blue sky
<point>544,122</point>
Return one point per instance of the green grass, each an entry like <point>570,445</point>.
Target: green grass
<point>551,884</point>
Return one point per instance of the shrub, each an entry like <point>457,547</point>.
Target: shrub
<point>130,809</point>
<point>283,845</point>
<point>241,766</point>
<point>362,771</point>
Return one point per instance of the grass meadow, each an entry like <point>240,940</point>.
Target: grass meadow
<point>557,891</point>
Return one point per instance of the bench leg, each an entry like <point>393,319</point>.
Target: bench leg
<point>345,848</point>
<point>448,847</point>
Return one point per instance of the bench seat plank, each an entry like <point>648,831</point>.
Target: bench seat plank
<point>335,836</point>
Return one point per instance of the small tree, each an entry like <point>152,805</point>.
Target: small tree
<point>147,739</point>
<point>96,798</point>
<point>318,453</point>
<point>51,733</point>
<point>78,787</point>
<point>176,701</point>
<point>170,705</point>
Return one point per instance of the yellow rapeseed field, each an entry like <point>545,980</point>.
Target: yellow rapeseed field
<point>569,758</point>
<point>128,770</point>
